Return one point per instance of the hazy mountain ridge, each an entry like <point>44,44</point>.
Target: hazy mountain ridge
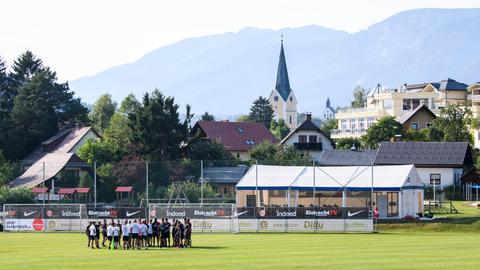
<point>224,73</point>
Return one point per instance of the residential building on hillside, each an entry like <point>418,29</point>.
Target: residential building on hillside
<point>282,99</point>
<point>55,160</point>
<point>417,119</point>
<point>308,138</point>
<point>329,112</point>
<point>237,137</point>
<point>442,163</point>
<point>474,96</point>
<point>383,101</point>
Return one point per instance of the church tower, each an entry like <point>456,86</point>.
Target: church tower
<point>282,99</point>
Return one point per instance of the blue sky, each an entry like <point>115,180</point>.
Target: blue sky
<point>82,37</point>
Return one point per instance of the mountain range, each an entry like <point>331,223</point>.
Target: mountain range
<point>223,74</point>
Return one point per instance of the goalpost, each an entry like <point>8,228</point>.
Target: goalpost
<point>44,217</point>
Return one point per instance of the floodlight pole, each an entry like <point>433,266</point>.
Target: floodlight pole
<point>43,182</point>
<point>201,183</point>
<point>95,184</point>
<point>256,182</point>
<point>146,182</point>
<point>313,194</point>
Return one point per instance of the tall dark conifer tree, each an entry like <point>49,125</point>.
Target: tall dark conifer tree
<point>261,112</point>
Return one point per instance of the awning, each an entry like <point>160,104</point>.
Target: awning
<point>82,190</point>
<point>124,189</point>
<point>39,190</point>
<point>66,191</point>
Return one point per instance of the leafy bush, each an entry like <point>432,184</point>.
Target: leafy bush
<point>20,195</point>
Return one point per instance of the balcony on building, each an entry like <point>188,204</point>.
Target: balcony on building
<point>308,146</point>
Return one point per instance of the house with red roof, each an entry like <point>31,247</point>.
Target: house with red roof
<point>237,137</point>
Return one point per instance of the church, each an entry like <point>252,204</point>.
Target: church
<point>282,99</point>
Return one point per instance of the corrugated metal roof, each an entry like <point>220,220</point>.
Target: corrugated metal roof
<point>346,157</point>
<point>42,170</point>
<point>438,154</point>
<point>224,175</point>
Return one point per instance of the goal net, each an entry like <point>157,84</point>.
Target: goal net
<point>44,217</point>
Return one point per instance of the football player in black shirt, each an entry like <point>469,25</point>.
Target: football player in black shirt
<point>155,233</point>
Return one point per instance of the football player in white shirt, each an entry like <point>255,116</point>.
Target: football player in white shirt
<point>116,235</point>
<point>126,235</point>
<point>110,234</point>
<point>92,232</point>
<point>135,234</point>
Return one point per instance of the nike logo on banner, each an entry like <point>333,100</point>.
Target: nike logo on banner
<point>131,214</point>
<point>239,214</point>
<point>26,214</point>
<point>350,214</point>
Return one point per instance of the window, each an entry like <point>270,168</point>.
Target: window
<point>412,103</point>
<point>429,124</point>
<point>312,139</point>
<point>387,103</point>
<point>290,119</point>
<point>225,191</point>
<point>435,178</point>
<point>250,142</point>
<point>302,138</point>
<point>343,125</point>
<point>415,126</point>
<point>478,135</point>
<point>291,99</point>
<point>392,204</point>
<point>251,201</point>
<point>275,98</point>
<point>353,125</point>
<point>361,124</point>
<point>370,121</point>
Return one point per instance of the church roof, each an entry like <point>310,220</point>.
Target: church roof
<point>283,84</point>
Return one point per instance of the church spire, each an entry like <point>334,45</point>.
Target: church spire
<point>283,84</point>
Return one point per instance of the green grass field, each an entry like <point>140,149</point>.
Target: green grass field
<point>386,250</point>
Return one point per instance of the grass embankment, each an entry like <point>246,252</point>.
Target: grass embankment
<point>466,220</point>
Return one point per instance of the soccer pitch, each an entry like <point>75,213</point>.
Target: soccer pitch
<point>250,251</point>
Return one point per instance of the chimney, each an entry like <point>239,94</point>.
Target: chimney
<point>396,138</point>
<point>309,116</point>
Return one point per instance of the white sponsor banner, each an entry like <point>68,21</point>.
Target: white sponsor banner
<point>65,224</point>
<point>45,224</point>
<point>211,225</point>
<point>24,225</point>
<point>304,225</point>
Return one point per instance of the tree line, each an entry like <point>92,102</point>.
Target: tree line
<point>34,106</point>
